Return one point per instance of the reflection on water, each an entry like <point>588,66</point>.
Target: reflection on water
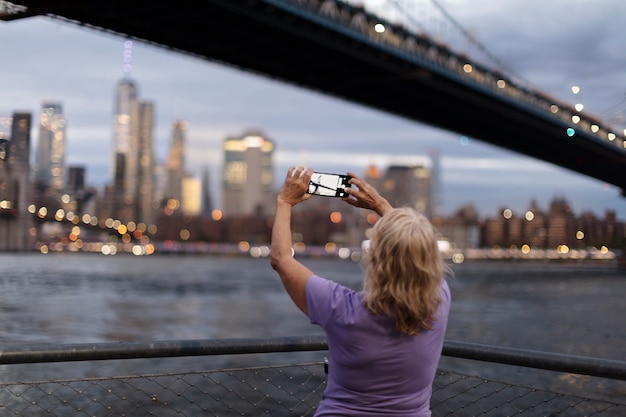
<point>82,298</point>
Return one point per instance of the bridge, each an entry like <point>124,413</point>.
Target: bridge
<point>345,51</point>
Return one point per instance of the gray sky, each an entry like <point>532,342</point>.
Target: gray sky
<point>553,45</point>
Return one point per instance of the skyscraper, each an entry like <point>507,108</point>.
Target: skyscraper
<point>125,102</point>
<point>132,192</point>
<point>142,189</point>
<point>248,175</point>
<point>50,157</point>
<point>176,162</point>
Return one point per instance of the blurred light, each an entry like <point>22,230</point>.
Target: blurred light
<point>464,140</point>
<point>330,247</point>
<point>442,245</point>
<point>173,204</point>
<point>529,215</point>
<point>579,107</point>
<point>372,218</point>
<point>86,218</point>
<point>611,136</point>
<point>244,246</point>
<point>216,215</point>
<point>76,230</point>
<point>525,249</point>
<point>58,216</point>
<point>379,28</point>
<point>122,229</point>
<point>575,119</point>
<point>595,128</point>
<point>65,198</point>
<point>43,249</point>
<point>344,253</point>
<point>149,249</point>
<point>42,212</point>
<point>458,258</point>
<point>570,132</point>
<point>554,108</point>
<point>501,84</point>
<point>32,209</point>
<point>507,213</point>
<point>580,235</point>
<point>184,234</point>
<point>335,217</point>
<point>467,68</point>
<point>299,247</point>
<point>575,89</point>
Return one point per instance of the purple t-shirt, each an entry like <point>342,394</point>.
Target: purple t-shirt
<point>373,369</point>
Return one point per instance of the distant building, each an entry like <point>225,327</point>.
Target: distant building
<point>248,175</point>
<point>76,179</point>
<point>175,162</point>
<point>409,185</point>
<point>50,156</point>
<point>132,193</point>
<point>15,185</point>
<point>191,195</point>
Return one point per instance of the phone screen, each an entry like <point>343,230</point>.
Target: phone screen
<point>329,185</point>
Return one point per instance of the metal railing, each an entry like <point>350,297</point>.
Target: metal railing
<point>526,383</point>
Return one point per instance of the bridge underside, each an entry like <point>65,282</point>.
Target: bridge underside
<point>256,36</point>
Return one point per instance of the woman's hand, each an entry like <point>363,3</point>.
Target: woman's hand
<point>365,196</point>
<point>294,189</point>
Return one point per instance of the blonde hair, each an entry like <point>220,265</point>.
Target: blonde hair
<point>404,270</point>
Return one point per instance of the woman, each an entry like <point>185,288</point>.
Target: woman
<point>384,343</point>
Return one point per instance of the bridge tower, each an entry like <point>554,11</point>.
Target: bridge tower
<point>15,184</point>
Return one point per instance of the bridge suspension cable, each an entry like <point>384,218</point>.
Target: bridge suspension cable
<point>467,35</point>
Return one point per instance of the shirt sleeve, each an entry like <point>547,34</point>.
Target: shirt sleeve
<point>326,299</point>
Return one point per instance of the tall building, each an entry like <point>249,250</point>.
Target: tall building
<point>248,175</point>
<point>141,189</point>
<point>125,103</point>
<point>409,185</point>
<point>176,162</point>
<point>131,195</point>
<point>15,186</point>
<point>50,157</point>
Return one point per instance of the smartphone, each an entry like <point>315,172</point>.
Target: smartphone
<point>328,185</point>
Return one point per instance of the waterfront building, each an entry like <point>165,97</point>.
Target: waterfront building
<point>50,156</point>
<point>248,175</point>
<point>15,184</point>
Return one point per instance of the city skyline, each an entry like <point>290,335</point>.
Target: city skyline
<point>318,131</point>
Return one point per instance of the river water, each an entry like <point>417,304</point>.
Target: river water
<point>572,308</point>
